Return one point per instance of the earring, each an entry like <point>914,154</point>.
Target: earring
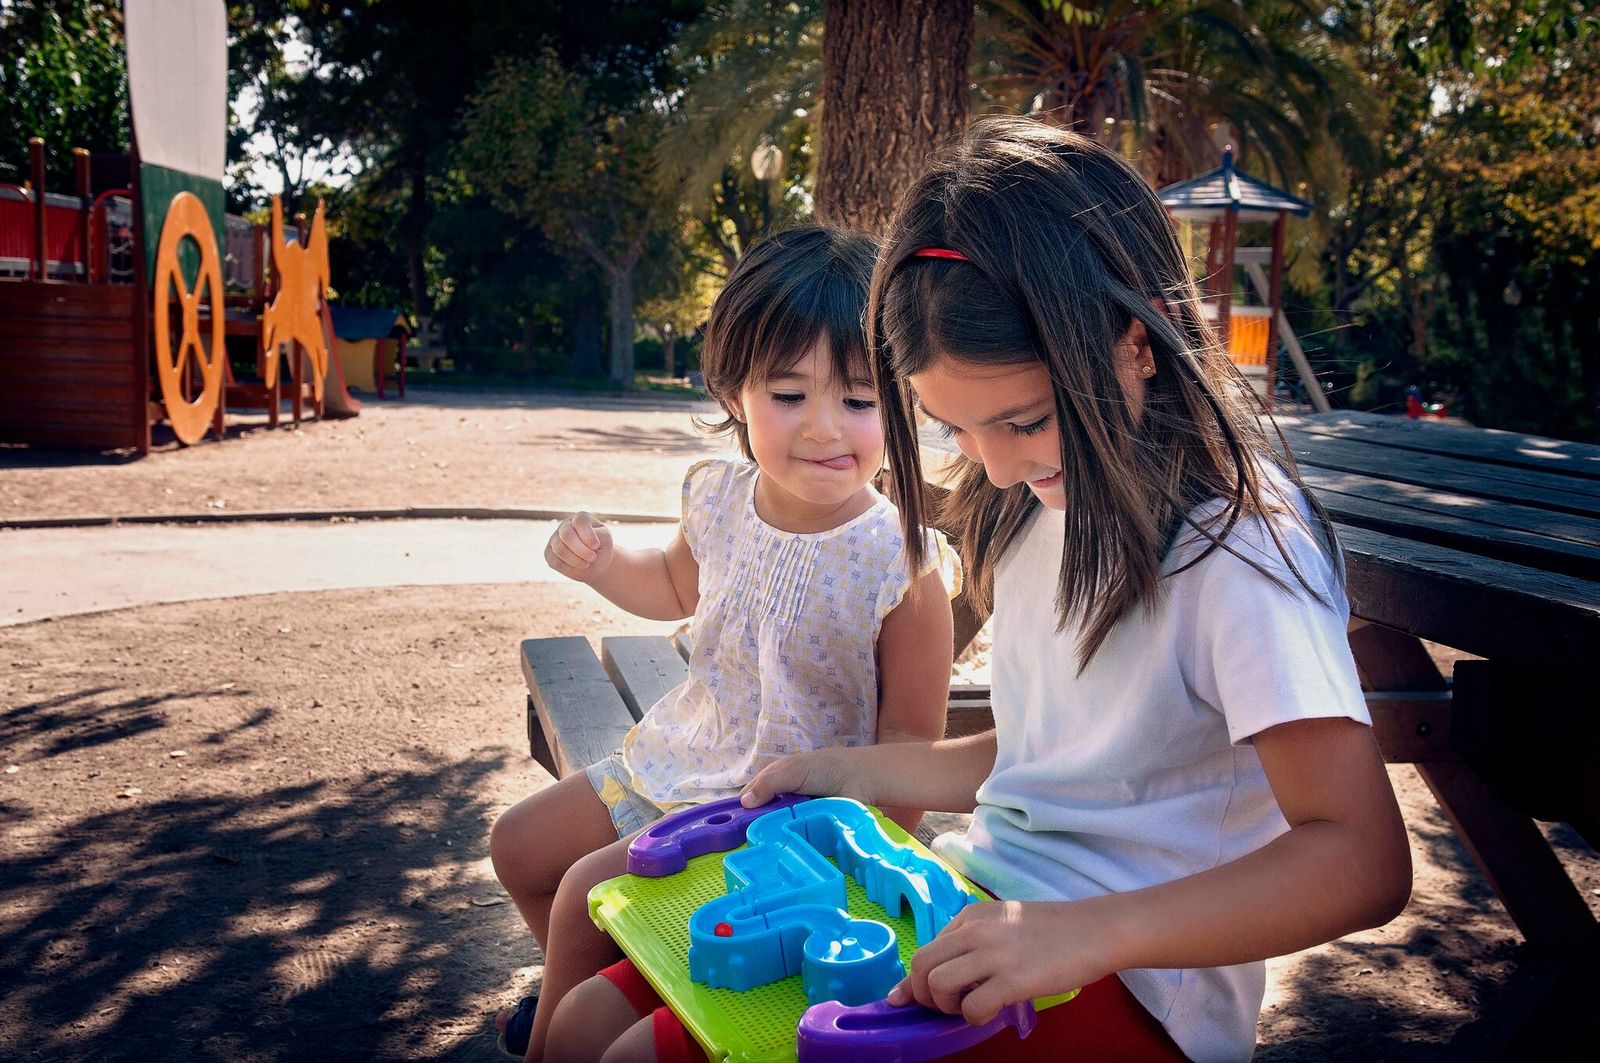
<point>1147,370</point>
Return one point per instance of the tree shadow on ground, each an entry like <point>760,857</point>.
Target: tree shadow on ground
<point>315,921</point>
<point>65,723</point>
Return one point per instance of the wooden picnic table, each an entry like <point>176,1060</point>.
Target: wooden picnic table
<point>1489,543</point>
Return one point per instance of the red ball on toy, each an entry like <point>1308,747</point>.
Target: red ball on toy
<point>722,930</point>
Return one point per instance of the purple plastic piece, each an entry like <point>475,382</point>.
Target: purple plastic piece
<point>716,827</point>
<point>882,1033</point>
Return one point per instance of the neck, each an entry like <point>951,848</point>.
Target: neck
<point>786,513</point>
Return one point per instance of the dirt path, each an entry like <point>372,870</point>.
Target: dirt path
<point>255,828</point>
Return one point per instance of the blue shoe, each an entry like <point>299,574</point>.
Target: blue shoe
<point>518,1028</point>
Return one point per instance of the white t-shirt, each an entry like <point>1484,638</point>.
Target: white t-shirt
<point>785,639</point>
<point>1141,770</point>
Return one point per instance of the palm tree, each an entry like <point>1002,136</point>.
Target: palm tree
<point>754,71</point>
<point>1168,81</point>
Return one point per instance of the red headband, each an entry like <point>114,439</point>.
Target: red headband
<point>939,252</point>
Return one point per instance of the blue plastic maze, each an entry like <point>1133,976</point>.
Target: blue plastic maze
<point>746,923</point>
<point>785,909</point>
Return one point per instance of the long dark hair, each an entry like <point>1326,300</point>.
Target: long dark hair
<point>789,290</point>
<point>1066,247</point>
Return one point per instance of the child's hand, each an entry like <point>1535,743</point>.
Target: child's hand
<point>997,953</point>
<point>580,549</point>
<point>820,773</point>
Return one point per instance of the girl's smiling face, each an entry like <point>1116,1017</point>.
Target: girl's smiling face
<point>1001,416</point>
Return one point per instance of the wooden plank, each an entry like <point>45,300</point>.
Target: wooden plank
<point>970,711</point>
<point>76,355</point>
<point>1504,483</point>
<point>582,717</point>
<point>50,372</point>
<point>32,299</point>
<point>643,668</point>
<point>88,391</point>
<point>1475,444</point>
<point>1412,728</point>
<point>1557,542</point>
<point>94,437</point>
<point>1485,607</point>
<point>49,330</point>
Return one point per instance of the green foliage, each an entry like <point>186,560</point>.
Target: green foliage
<point>1462,254</point>
<point>1169,82</point>
<point>63,77</point>
<point>752,72</point>
<point>544,151</point>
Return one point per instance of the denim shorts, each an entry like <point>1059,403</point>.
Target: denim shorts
<point>630,810</point>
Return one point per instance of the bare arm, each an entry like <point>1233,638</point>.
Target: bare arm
<point>914,658</point>
<point>1343,865</point>
<point>657,584</point>
<point>941,776</point>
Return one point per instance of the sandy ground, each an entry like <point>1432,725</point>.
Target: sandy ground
<point>255,827</point>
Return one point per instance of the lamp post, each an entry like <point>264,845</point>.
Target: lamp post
<point>766,163</point>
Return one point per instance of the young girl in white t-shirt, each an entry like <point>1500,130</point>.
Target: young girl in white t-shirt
<point>1182,779</point>
<point>811,626</point>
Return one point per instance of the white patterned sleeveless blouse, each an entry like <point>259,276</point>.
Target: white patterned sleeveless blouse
<point>785,639</point>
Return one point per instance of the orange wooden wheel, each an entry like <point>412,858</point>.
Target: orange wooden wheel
<point>180,353</point>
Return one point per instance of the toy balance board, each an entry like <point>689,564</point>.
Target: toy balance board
<point>749,911</point>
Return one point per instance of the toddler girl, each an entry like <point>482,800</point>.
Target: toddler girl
<point>810,627</point>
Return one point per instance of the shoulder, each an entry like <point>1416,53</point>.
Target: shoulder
<point>1285,545</point>
<point>714,477</point>
<point>709,488</point>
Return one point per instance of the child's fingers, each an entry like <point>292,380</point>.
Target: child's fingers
<point>559,555</point>
<point>758,791</point>
<point>573,545</point>
<point>983,1002</point>
<point>591,531</point>
<point>941,976</point>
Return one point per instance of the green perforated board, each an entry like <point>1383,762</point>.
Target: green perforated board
<point>649,919</point>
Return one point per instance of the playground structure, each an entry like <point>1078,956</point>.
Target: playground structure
<point>369,345</point>
<point>1249,315</point>
<point>116,303</point>
<point>785,948</point>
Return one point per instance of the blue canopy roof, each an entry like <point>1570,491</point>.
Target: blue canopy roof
<point>350,323</point>
<point>1227,188</point>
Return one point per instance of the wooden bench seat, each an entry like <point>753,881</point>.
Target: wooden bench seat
<point>580,706</point>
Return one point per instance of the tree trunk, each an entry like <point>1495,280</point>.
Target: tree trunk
<point>621,280</point>
<point>585,360</point>
<point>669,345</point>
<point>894,86</point>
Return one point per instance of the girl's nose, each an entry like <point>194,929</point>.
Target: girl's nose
<point>823,423</point>
<point>1002,467</point>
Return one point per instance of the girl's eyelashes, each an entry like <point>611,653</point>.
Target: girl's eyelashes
<point>950,431</point>
<point>1030,429</point>
<point>794,398</point>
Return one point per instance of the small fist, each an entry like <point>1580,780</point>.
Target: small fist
<point>580,549</point>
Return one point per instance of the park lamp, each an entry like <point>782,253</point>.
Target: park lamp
<point>766,162</point>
